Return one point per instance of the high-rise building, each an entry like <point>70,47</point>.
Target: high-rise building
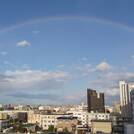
<point>95,101</point>
<point>132,103</point>
<point>124,93</point>
<point>125,99</point>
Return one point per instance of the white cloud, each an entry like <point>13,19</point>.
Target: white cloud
<point>109,81</point>
<point>61,66</point>
<point>112,91</point>
<point>23,43</point>
<point>32,79</point>
<point>76,97</point>
<point>9,64</point>
<point>116,76</point>
<point>88,69</point>
<point>83,70</point>
<point>3,53</point>
<point>103,66</point>
<point>26,66</point>
<point>112,78</point>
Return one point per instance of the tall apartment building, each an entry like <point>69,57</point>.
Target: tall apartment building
<point>95,101</point>
<point>124,93</point>
<point>125,100</point>
<point>132,103</point>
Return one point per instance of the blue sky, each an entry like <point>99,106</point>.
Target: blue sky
<point>52,50</point>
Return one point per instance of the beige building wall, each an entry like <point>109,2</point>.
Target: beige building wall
<point>70,125</point>
<point>3,116</point>
<point>34,118</point>
<point>43,120</point>
<point>105,127</point>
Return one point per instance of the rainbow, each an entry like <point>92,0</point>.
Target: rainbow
<point>60,18</point>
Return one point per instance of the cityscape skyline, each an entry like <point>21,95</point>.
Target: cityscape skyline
<point>52,52</point>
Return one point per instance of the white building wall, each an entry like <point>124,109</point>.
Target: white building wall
<point>81,115</point>
<point>86,117</point>
<point>48,120</point>
<point>125,99</point>
<point>124,93</point>
<point>97,116</point>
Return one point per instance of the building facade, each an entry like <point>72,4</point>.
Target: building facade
<point>44,120</point>
<point>85,117</point>
<point>128,128</point>
<point>101,126</point>
<point>67,123</point>
<point>132,103</point>
<point>4,123</point>
<point>95,101</point>
<point>124,93</point>
<point>125,101</point>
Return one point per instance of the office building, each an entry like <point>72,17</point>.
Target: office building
<point>125,99</point>
<point>124,93</point>
<point>95,101</point>
<point>132,103</point>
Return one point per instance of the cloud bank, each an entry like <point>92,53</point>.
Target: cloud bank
<point>32,80</point>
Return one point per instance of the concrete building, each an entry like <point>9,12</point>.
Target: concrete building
<point>132,103</point>
<point>22,116</point>
<point>116,108</point>
<point>129,129</point>
<point>86,117</point>
<point>131,87</point>
<point>44,120</point>
<point>125,99</point>
<point>124,93</point>
<point>95,101</point>
<point>81,116</point>
<point>101,126</point>
<point>117,123</point>
<point>33,118</point>
<point>4,123</point>
<point>3,116</point>
<point>97,116</point>
<point>67,123</point>
<point>11,114</point>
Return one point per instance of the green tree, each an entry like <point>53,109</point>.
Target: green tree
<point>37,128</point>
<point>65,129</point>
<point>51,128</point>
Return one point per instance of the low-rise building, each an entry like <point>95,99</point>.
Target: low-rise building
<point>3,116</point>
<point>81,115</point>
<point>85,117</point>
<point>22,116</point>
<point>67,124</point>
<point>97,116</point>
<point>101,126</point>
<point>4,123</point>
<point>44,120</point>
